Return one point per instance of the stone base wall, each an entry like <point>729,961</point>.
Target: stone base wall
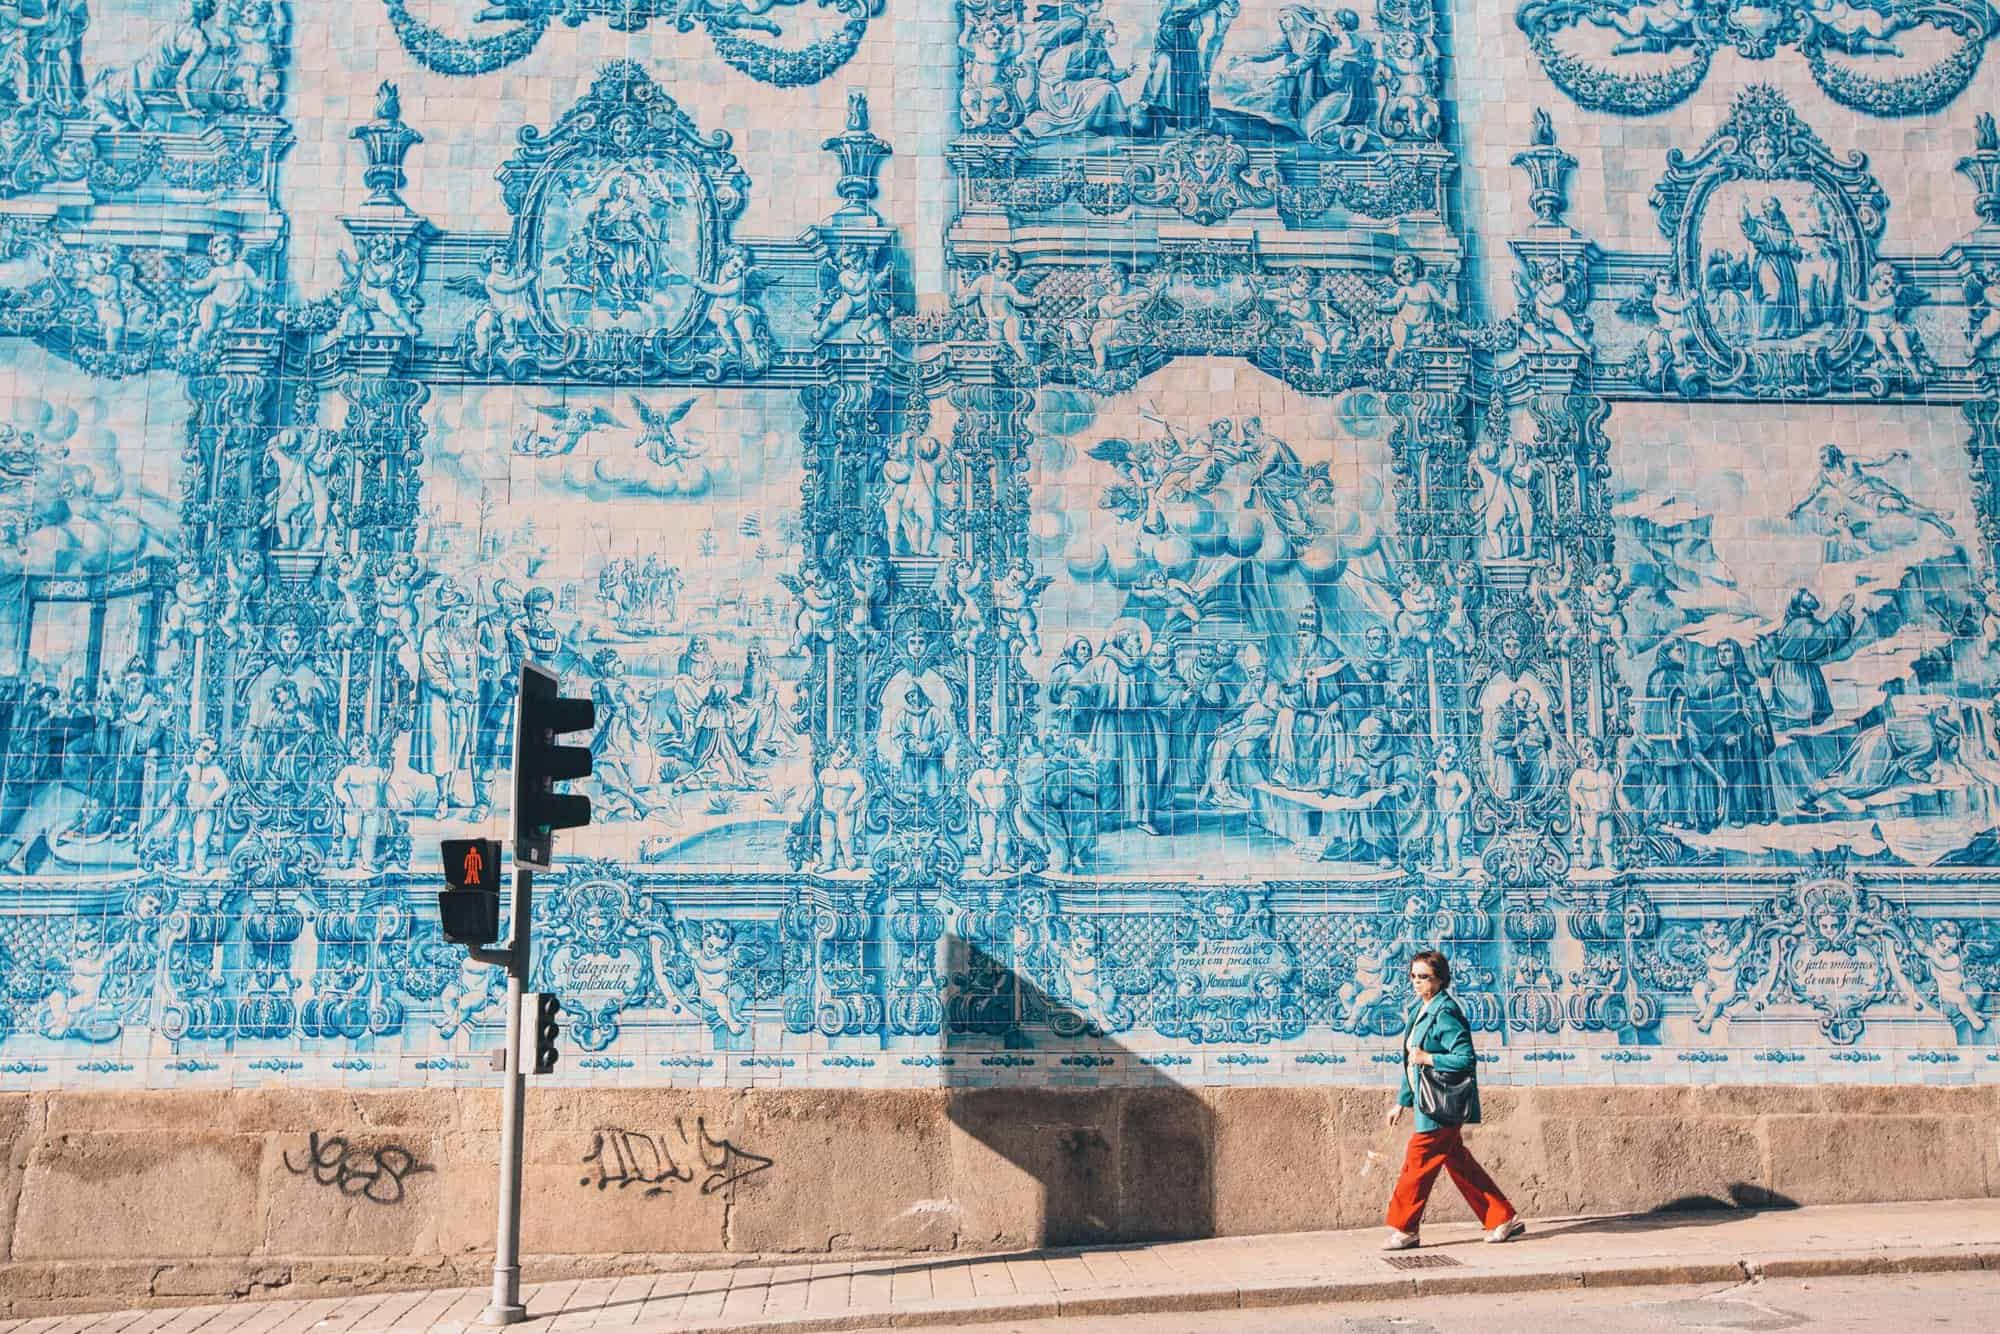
<point>156,1197</point>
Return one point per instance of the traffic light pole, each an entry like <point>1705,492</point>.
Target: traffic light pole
<point>541,714</point>
<point>506,1307</point>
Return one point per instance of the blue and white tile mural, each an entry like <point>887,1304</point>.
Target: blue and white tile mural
<point>1093,528</point>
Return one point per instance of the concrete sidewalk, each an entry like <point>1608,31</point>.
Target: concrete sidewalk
<point>1229,1273</point>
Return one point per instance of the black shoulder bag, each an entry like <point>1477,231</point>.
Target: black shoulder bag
<point>1444,1097</point>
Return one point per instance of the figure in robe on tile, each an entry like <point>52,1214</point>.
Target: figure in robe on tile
<point>1281,83</point>
<point>1064,789</point>
<point>1519,740</point>
<point>767,725</point>
<point>14,33</point>
<point>1795,653</point>
<point>447,699</point>
<point>1242,749</point>
<point>1726,285</point>
<point>1311,745</point>
<point>625,242</point>
<point>624,761</point>
<point>1504,473</point>
<point>179,48</point>
<point>1347,83</point>
<point>1906,746</point>
<point>917,737</point>
<point>1203,691</point>
<point>1733,730</point>
<point>1381,768</point>
<point>921,737</point>
<point>29,761</point>
<point>1775,295</point>
<point>90,750</point>
<point>1282,485</point>
<point>1667,778</point>
<point>1076,79</point>
<point>710,740</point>
<point>1116,700</point>
<point>285,746</point>
<point>139,728</point>
<point>289,661</point>
<point>1521,743</point>
<point>1846,497</point>
<point>48,777</point>
<point>55,51</point>
<point>1176,97</point>
<point>1075,656</point>
<point>519,626</point>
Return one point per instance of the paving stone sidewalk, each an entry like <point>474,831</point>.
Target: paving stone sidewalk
<point>1228,1273</point>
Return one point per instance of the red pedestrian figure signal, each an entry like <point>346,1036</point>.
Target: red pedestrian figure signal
<point>469,911</point>
<point>472,863</point>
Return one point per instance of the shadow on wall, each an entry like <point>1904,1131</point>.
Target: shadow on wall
<point>1105,1147</point>
<point>1036,1083</point>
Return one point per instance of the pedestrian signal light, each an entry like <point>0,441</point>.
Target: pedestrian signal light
<point>544,1029</point>
<point>469,907</point>
<point>540,763</point>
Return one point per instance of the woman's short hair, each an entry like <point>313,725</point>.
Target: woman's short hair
<point>1440,966</point>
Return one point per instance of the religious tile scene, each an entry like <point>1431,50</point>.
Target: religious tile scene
<point>1094,529</point>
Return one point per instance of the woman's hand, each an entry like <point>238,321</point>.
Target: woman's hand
<point>1395,1113</point>
<point>1422,1057</point>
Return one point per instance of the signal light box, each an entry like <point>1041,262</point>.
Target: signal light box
<point>470,909</point>
<point>540,763</point>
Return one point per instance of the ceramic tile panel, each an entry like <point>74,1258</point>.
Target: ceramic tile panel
<point>1093,529</point>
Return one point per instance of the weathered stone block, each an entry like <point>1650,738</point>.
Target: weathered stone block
<point>127,1195</point>
<point>1645,1162</point>
<point>154,1112</point>
<point>565,1211</point>
<point>1166,1165</point>
<point>1273,1152</point>
<point>1845,1159</point>
<point>1034,1167</point>
<point>1624,1103</point>
<point>873,1164</point>
<point>20,1119</point>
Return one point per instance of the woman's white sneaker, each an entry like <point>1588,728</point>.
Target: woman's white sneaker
<point>1507,1231</point>
<point>1400,1241</point>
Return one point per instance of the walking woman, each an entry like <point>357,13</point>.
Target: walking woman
<point>1439,1038</point>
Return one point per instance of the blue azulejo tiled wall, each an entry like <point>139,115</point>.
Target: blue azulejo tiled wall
<point>1094,530</point>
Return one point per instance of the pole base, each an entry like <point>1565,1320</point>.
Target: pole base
<point>497,1314</point>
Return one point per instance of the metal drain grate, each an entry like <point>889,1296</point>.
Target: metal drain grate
<point>1421,1262</point>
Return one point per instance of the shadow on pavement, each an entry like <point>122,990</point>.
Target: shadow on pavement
<point>1687,1211</point>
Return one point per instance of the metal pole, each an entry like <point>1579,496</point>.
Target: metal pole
<point>506,1307</point>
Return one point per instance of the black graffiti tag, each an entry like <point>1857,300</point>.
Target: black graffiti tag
<point>376,1175</point>
<point>634,1158</point>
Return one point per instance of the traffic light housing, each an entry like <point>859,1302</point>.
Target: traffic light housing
<point>470,908</point>
<point>540,763</point>
<point>545,1030</point>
